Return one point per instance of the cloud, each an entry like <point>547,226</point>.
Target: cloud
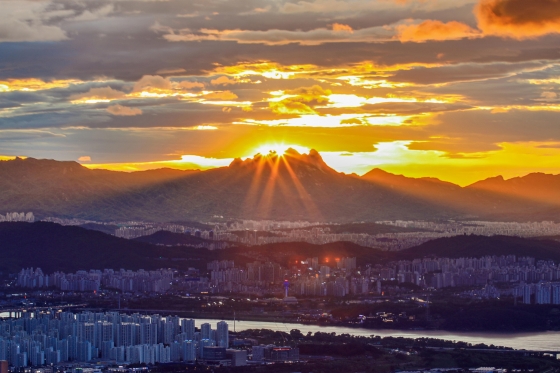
<point>171,71</point>
<point>223,95</point>
<point>345,7</point>
<point>185,84</point>
<point>102,93</point>
<point>152,82</point>
<point>301,100</point>
<point>223,80</point>
<point>463,72</point>
<point>85,158</point>
<point>120,110</point>
<point>437,31</point>
<point>25,135</point>
<point>518,19</point>
<point>92,15</point>
<point>340,33</point>
<point>342,28</point>
<point>25,21</point>
<point>549,96</point>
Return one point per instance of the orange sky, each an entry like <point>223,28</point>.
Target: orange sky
<point>459,90</point>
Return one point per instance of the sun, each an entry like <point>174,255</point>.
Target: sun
<point>278,148</point>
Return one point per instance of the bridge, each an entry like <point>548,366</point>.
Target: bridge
<point>17,312</point>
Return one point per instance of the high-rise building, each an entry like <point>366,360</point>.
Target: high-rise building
<point>556,294</point>
<point>189,351</point>
<point>206,331</point>
<point>222,334</point>
<point>187,327</point>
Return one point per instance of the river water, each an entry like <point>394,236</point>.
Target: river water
<point>541,341</point>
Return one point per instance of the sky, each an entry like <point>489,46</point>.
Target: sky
<point>461,90</point>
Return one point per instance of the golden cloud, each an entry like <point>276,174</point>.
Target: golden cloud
<point>148,82</point>
<point>223,80</point>
<point>518,19</point>
<point>300,100</point>
<point>123,110</point>
<point>33,84</point>
<point>436,30</point>
<point>223,95</point>
<point>342,28</point>
<point>99,94</point>
<point>189,85</point>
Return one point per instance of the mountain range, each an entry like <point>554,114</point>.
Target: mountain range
<point>292,186</point>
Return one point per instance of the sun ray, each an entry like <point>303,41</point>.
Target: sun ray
<point>303,194</point>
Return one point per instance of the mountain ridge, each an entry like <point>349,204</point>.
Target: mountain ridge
<point>291,186</point>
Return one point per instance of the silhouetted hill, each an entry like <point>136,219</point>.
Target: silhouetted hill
<point>170,238</point>
<point>453,247</point>
<point>537,186</point>
<point>289,187</point>
<point>492,199</point>
<point>292,187</point>
<point>288,253</point>
<point>479,246</point>
<point>105,228</point>
<point>538,190</point>
<point>53,247</point>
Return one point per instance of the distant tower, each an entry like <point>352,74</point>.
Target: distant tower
<point>286,288</point>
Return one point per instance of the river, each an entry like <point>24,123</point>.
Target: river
<point>541,341</point>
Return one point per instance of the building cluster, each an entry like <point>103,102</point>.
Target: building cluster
<point>482,228</point>
<point>261,232</point>
<point>135,232</point>
<point>543,292</point>
<point>320,236</point>
<point>307,277</point>
<point>275,353</point>
<point>268,232</point>
<point>268,225</point>
<point>534,280</point>
<point>158,281</point>
<point>337,278</point>
<point>50,338</point>
<point>210,239</point>
<point>459,272</point>
<point>132,230</point>
<point>17,217</point>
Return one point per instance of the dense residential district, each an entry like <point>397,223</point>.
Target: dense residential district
<point>51,338</point>
<point>393,235</point>
<point>531,280</point>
